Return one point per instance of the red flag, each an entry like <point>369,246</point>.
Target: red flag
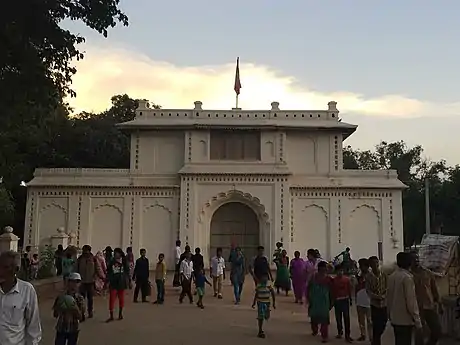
<point>237,86</point>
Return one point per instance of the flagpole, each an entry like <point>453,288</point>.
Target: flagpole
<point>236,103</point>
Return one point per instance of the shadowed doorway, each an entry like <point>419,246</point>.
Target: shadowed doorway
<point>237,223</point>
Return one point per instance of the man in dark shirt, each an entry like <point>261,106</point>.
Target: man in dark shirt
<point>141,276</point>
<point>198,260</point>
<point>184,254</point>
<point>260,266</point>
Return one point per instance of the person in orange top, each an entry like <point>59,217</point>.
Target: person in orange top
<point>341,294</point>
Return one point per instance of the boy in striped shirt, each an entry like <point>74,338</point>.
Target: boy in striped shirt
<point>264,290</point>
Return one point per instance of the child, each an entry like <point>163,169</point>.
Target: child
<point>341,293</point>
<point>68,265</point>
<point>320,301</point>
<point>186,275</point>
<point>141,276</point>
<point>118,277</point>
<point>363,304</point>
<point>218,272</point>
<point>69,309</point>
<point>34,265</point>
<point>200,281</point>
<point>262,295</point>
<point>160,278</point>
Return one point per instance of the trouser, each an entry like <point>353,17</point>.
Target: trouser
<point>431,319</point>
<point>142,285</point>
<point>379,322</point>
<point>217,284</point>
<point>364,321</point>
<point>323,329</point>
<point>186,290</point>
<point>237,290</point>
<point>342,312</point>
<point>403,334</point>
<point>160,290</point>
<point>66,338</point>
<point>114,294</point>
<point>176,279</point>
<point>87,291</point>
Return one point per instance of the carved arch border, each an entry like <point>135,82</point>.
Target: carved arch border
<point>212,205</point>
<point>106,204</point>
<point>53,204</point>
<point>371,207</point>
<point>326,214</point>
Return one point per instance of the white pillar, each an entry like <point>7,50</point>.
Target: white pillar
<point>61,238</point>
<point>8,240</point>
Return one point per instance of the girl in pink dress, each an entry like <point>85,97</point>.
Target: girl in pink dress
<point>101,273</point>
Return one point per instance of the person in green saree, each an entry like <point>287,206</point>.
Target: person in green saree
<point>283,279</point>
<point>320,301</point>
<point>237,273</point>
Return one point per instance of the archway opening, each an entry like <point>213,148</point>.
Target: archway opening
<point>237,223</point>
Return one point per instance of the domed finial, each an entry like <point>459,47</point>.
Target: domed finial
<point>275,106</point>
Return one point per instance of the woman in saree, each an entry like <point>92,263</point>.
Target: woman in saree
<point>299,276</point>
<point>320,301</point>
<point>237,273</point>
<point>282,281</point>
<point>101,273</point>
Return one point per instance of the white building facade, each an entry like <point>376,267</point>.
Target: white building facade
<point>212,177</point>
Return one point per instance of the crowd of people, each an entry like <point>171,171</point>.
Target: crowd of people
<point>408,297</point>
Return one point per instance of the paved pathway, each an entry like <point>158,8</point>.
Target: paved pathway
<point>174,323</point>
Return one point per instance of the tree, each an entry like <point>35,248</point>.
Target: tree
<point>37,52</point>
<point>6,207</point>
<point>412,169</point>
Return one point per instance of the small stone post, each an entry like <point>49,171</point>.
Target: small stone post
<point>61,238</point>
<point>8,240</point>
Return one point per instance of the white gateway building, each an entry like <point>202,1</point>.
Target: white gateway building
<point>212,177</point>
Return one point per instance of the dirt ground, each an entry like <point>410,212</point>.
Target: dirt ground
<point>174,323</point>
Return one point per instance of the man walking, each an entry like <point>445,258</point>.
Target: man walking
<point>376,287</point>
<point>427,295</point>
<point>402,302</point>
<point>260,267</point>
<point>141,277</point>
<point>86,267</point>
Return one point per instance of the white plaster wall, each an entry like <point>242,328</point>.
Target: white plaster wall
<point>52,214</point>
<point>199,150</point>
<point>358,219</point>
<point>313,153</point>
<point>161,152</point>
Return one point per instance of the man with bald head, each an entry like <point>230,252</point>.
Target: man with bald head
<point>19,317</point>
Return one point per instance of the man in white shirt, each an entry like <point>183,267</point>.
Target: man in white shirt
<point>186,272</point>
<point>19,315</point>
<point>177,255</point>
<point>217,273</point>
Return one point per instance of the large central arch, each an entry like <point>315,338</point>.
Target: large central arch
<point>234,222</point>
<point>236,197</point>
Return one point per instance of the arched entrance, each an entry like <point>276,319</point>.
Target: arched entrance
<point>234,222</point>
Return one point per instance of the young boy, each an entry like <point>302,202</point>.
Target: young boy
<point>200,282</point>
<point>218,272</point>
<point>341,293</point>
<point>363,303</point>
<point>186,275</point>
<point>141,276</point>
<point>160,278</point>
<point>69,309</point>
<point>262,295</point>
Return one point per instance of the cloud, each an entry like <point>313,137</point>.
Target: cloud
<point>108,71</point>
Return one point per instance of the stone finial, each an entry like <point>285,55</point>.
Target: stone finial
<point>60,230</point>
<point>7,230</point>
<point>143,104</point>
<point>332,106</point>
<point>198,105</point>
<point>275,106</point>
